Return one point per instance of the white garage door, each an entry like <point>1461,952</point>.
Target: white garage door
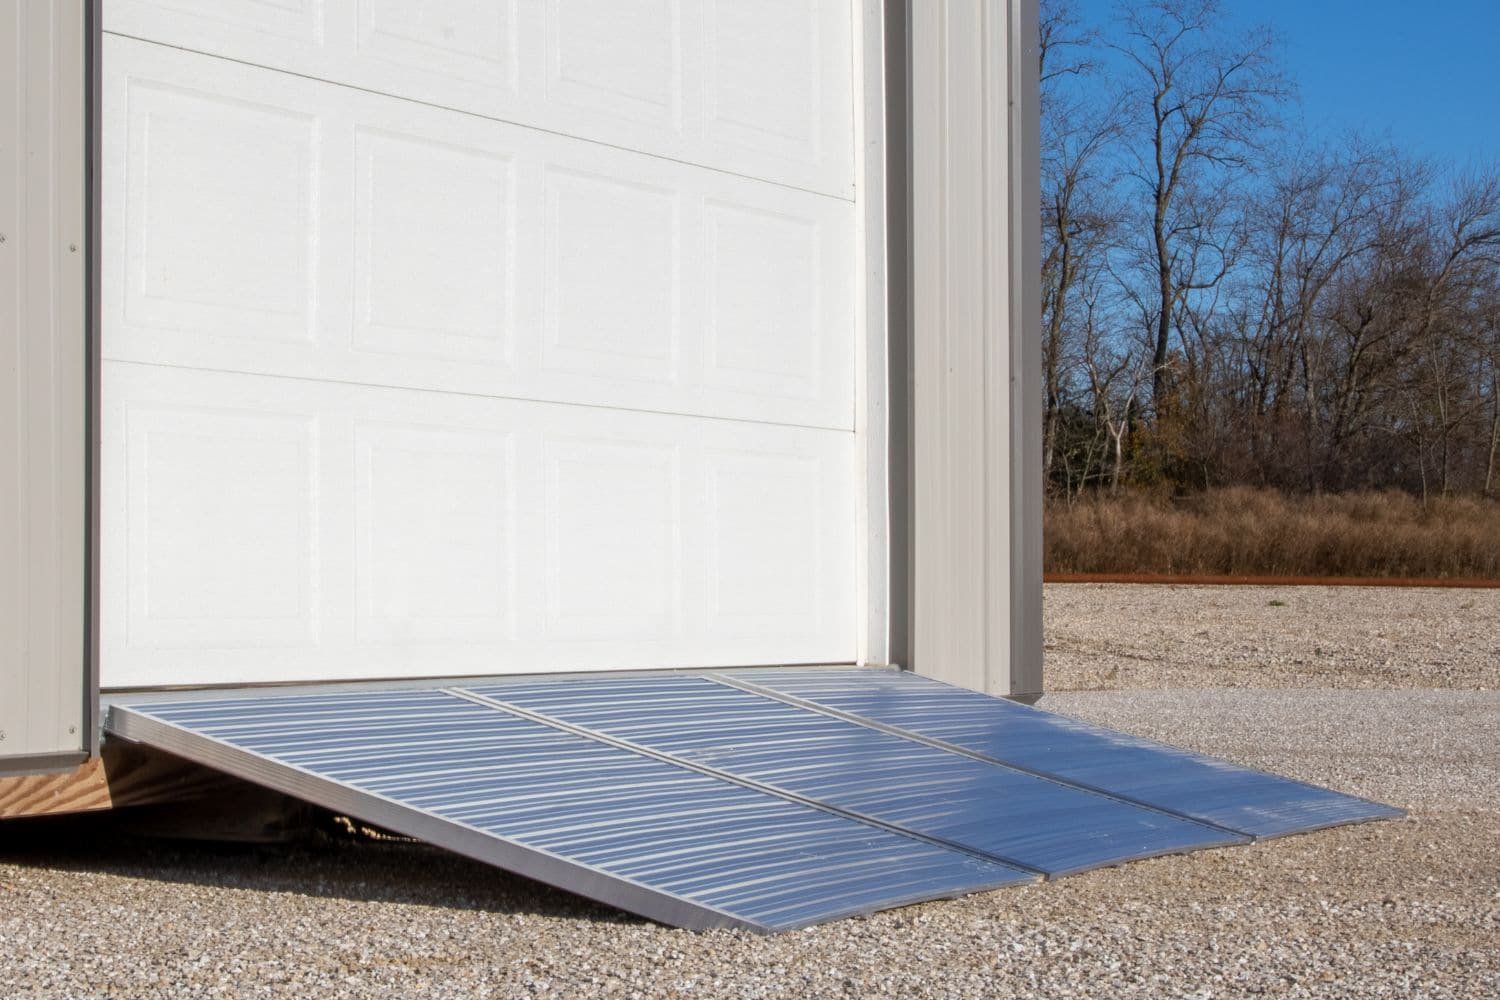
<point>469,336</point>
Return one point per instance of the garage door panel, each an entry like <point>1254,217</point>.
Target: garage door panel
<point>612,288</point>
<point>766,285</point>
<point>761,82</point>
<point>257,21</point>
<point>217,486</point>
<point>323,232</point>
<point>464,41</point>
<point>762,89</point>
<point>435,523</point>
<point>766,562</point>
<point>620,59</point>
<point>434,250</point>
<point>252,168</point>
<point>616,504</point>
<point>454,337</point>
<point>262,529</point>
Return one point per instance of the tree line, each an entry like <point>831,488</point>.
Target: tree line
<point>1230,301</point>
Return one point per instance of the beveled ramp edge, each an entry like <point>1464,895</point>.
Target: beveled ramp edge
<point>1380,811</point>
<point>137,724</point>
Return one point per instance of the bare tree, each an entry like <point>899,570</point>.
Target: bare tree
<point>1199,101</point>
<point>1066,46</point>
<point>1464,253</point>
<point>1326,215</point>
<point>1116,376</point>
<point>1077,218</point>
<point>1225,304</point>
<point>1488,324</point>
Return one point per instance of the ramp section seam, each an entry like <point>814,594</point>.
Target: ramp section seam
<point>789,699</point>
<point>780,793</point>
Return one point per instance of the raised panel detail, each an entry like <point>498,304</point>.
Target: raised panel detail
<point>507,335</point>
<point>299,20</point>
<point>220,527</point>
<point>470,40</point>
<point>220,232</point>
<point>764,313</point>
<point>258,529</point>
<point>434,514</point>
<point>758,88</point>
<point>612,278</point>
<point>445,252</point>
<point>621,57</point>
<point>765,572</point>
<point>764,74</point>
<point>434,250</point>
<point>612,517</point>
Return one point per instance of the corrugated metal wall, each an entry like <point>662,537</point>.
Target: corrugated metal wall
<point>976,428</point>
<point>43,373</point>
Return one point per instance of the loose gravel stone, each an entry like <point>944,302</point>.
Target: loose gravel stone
<point>1109,636</point>
<point>1397,909</point>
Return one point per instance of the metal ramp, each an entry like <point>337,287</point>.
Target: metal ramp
<point>1193,785</point>
<point>766,799</point>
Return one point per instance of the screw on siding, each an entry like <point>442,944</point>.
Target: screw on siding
<point>72,730</point>
<point>2,734</point>
<point>72,248</point>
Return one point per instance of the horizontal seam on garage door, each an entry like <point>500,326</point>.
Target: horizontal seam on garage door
<point>837,428</point>
<point>850,198</point>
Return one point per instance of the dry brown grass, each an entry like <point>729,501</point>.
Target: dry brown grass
<point>1248,532</point>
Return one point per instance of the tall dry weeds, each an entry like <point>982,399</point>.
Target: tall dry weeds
<point>1241,531</point>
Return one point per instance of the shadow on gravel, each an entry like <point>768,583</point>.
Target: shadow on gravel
<point>322,862</point>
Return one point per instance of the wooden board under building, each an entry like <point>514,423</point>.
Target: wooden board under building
<point>123,775</point>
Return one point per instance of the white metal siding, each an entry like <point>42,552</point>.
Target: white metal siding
<point>42,379</point>
<point>464,337</point>
<point>977,573</point>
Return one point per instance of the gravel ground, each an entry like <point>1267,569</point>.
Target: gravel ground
<point>1404,908</point>
<point>1109,636</point>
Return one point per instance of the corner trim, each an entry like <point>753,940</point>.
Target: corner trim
<point>975,400</point>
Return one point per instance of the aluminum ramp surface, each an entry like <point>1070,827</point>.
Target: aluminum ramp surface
<point>765,799</point>
<point>1190,784</point>
<point>659,840</point>
<point>1035,823</point>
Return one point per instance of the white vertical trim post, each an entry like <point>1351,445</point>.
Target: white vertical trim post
<point>870,409</point>
<point>43,383</point>
<point>977,486</point>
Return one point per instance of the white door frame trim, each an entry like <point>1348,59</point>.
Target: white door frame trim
<point>872,413</point>
<point>976,449</point>
<point>46,695</point>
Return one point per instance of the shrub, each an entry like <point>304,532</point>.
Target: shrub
<point>1241,531</point>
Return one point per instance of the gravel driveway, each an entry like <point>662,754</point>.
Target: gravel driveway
<point>1406,908</point>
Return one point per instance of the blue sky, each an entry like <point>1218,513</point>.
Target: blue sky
<point>1425,74</point>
